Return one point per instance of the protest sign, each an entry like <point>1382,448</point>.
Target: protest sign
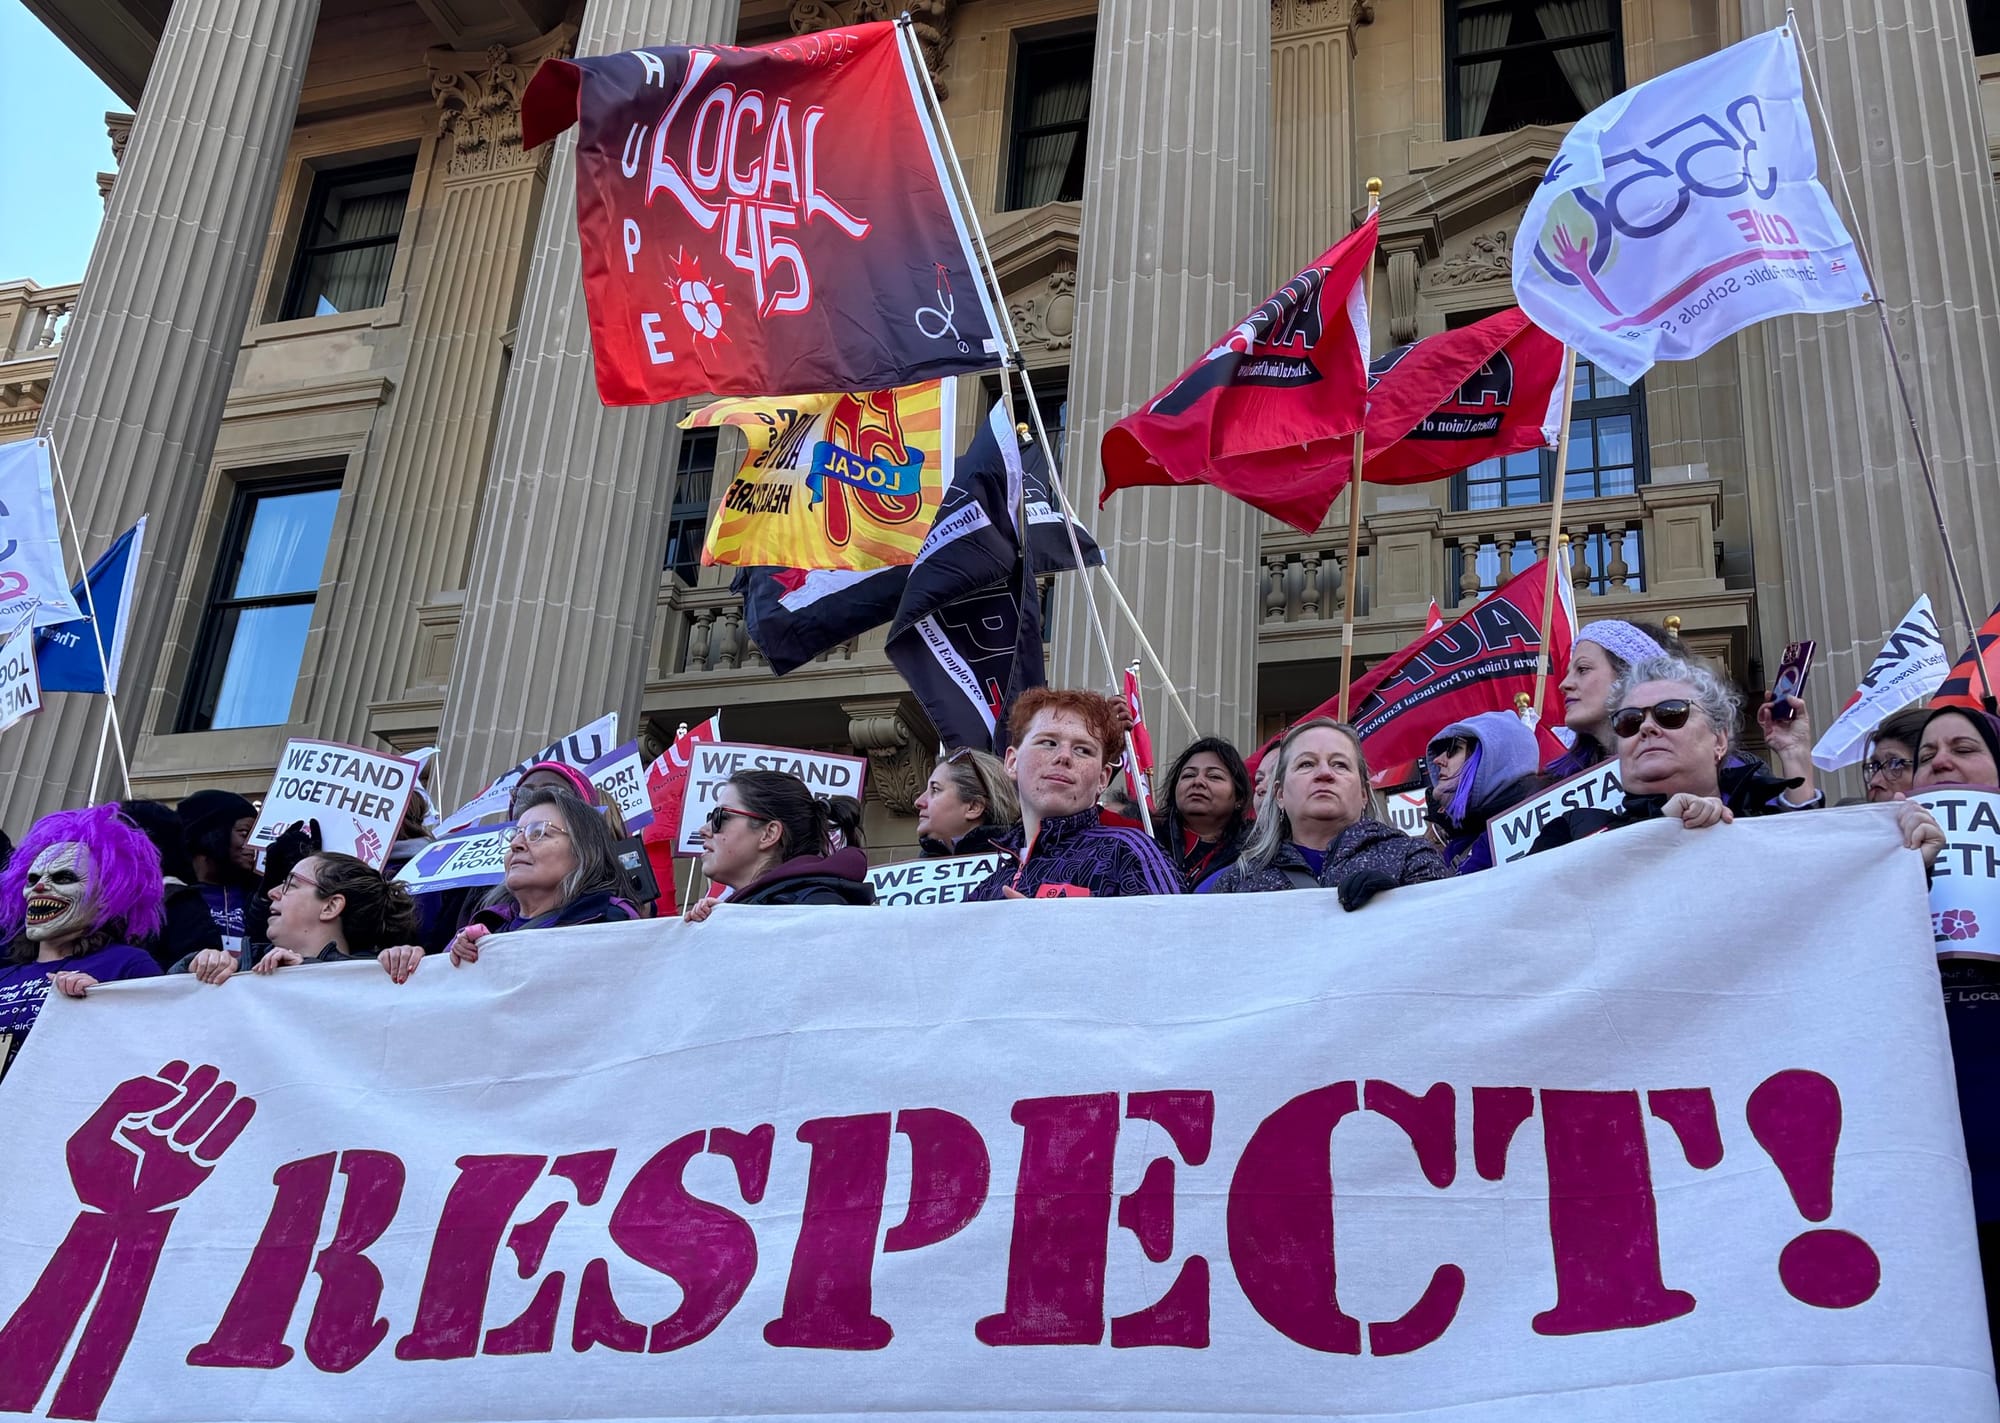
<point>20,684</point>
<point>581,747</point>
<point>1511,834</point>
<point>32,584</point>
<point>1630,1176</point>
<point>941,881</point>
<point>1409,811</point>
<point>825,773</point>
<point>457,860</point>
<point>620,777</point>
<point>1965,882</point>
<point>357,796</point>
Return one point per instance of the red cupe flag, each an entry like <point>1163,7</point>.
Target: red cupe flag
<point>1269,414</point>
<point>1447,402</point>
<point>767,221</point>
<point>1963,686</point>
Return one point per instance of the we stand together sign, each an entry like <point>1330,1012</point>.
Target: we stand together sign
<point>1037,1160</point>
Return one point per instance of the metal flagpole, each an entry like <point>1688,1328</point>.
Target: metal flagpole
<point>1354,477</point>
<point>1556,554</point>
<point>1016,366</point>
<point>97,767</point>
<point>1895,358</point>
<point>97,626</point>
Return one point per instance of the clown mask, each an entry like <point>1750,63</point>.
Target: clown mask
<point>58,892</point>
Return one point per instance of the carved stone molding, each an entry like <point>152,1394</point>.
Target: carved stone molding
<point>479,101</point>
<point>118,128</point>
<point>1296,17</point>
<point>885,729</point>
<point>1047,317</point>
<point>931,19</point>
<point>1489,257</point>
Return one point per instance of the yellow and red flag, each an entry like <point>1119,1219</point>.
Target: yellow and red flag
<point>851,480</point>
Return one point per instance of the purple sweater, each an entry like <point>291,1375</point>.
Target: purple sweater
<point>1074,856</point>
<point>23,987</point>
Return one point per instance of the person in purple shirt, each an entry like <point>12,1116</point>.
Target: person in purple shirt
<point>81,887</point>
<point>1066,747</point>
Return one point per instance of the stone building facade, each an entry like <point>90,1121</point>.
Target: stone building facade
<point>332,341</point>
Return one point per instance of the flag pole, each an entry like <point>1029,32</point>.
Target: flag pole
<point>1556,554</point>
<point>96,624</point>
<point>1016,365</point>
<point>1354,481</point>
<point>1895,359</point>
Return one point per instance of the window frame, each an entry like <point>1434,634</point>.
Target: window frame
<point>210,660</point>
<point>1598,407</point>
<point>1080,36</point>
<point>683,511</point>
<point>324,179</point>
<point>1453,60</point>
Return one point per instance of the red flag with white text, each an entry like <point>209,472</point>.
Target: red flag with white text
<point>1269,413</point>
<point>764,221</point>
<point>1139,771</point>
<point>1447,402</point>
<point>666,778</point>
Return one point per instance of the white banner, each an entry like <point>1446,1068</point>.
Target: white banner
<point>620,777</point>
<point>20,683</point>
<point>462,858</point>
<point>1910,666</point>
<point>1040,1160</point>
<point>1511,834</point>
<point>31,557</point>
<point>1682,211</point>
<point>1409,811</point>
<point>1965,885</point>
<point>825,773</point>
<point>357,796</point>
<point>581,747</point>
<point>939,881</point>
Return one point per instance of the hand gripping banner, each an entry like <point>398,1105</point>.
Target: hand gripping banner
<point>768,221</point>
<point>1472,1154</point>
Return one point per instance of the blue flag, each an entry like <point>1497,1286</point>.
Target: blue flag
<point>67,655</point>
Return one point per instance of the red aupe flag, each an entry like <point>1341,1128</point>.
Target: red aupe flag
<point>1269,414</point>
<point>767,221</point>
<point>1477,663</point>
<point>1451,400</point>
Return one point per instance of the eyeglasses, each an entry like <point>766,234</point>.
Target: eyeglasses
<point>1893,766</point>
<point>289,883</point>
<point>535,832</point>
<point>1669,715</point>
<point>719,817</point>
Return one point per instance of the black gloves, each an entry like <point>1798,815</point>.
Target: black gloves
<point>296,841</point>
<point>1363,885</point>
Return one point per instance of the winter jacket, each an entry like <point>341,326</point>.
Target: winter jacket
<point>1575,825</point>
<point>1368,848</point>
<point>839,878</point>
<point>189,927</point>
<point>1079,857</point>
<point>1502,773</point>
<point>596,907</point>
<point>1748,785</point>
<point>981,839</point>
<point>1197,859</point>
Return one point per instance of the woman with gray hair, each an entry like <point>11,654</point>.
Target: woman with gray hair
<point>1320,826</point>
<point>562,869</point>
<point>1674,721</point>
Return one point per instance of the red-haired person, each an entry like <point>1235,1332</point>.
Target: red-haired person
<point>1065,750</point>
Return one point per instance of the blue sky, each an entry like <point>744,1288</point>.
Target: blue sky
<point>52,111</point>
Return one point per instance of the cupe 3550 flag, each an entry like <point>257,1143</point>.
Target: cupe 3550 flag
<point>1684,210</point>
<point>851,480</point>
<point>733,244</point>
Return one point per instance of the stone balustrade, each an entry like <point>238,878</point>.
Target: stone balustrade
<point>33,321</point>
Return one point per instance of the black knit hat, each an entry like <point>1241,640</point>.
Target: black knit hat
<point>207,813</point>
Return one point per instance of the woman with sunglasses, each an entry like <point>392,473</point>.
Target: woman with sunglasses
<point>330,908</point>
<point>1478,768</point>
<point>561,870</point>
<point>770,840</point>
<point>967,806</point>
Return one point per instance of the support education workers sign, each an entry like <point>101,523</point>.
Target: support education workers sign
<point>1037,1160</point>
<point>357,796</point>
<point>825,773</point>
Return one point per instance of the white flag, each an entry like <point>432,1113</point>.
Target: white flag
<point>1684,210</point>
<point>1910,666</point>
<point>31,560</point>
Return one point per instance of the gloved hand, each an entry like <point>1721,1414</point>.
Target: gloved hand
<point>1363,885</point>
<point>296,841</point>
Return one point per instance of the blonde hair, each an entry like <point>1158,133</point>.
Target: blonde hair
<point>1273,826</point>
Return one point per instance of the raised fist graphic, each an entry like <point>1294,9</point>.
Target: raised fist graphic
<point>141,1153</point>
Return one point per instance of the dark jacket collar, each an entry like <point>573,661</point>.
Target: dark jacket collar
<point>1056,831</point>
<point>848,864</point>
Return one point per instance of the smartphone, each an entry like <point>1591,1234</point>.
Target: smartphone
<point>1791,678</point>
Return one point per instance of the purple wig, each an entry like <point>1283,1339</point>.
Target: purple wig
<point>124,869</point>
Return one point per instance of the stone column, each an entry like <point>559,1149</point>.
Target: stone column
<point>1856,528</point>
<point>1175,248</point>
<point>1312,127</point>
<point>412,536</point>
<point>566,564</point>
<point>147,361</point>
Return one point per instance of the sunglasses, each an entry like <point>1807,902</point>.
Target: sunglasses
<point>964,753</point>
<point>1669,715</point>
<point>1890,766</point>
<point>1450,746</point>
<point>719,817</point>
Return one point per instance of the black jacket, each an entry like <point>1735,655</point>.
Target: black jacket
<point>596,907</point>
<point>1205,859</point>
<point>1366,848</point>
<point>189,928</point>
<point>839,878</point>
<point>981,839</point>
<point>1581,824</point>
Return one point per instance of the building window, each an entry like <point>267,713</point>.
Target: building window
<point>1051,121</point>
<point>1051,399</point>
<point>694,479</point>
<point>1510,63</point>
<point>1984,17</point>
<point>253,633</point>
<point>348,242</point>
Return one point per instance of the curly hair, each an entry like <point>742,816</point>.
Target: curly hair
<point>126,881</point>
<point>1719,702</point>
